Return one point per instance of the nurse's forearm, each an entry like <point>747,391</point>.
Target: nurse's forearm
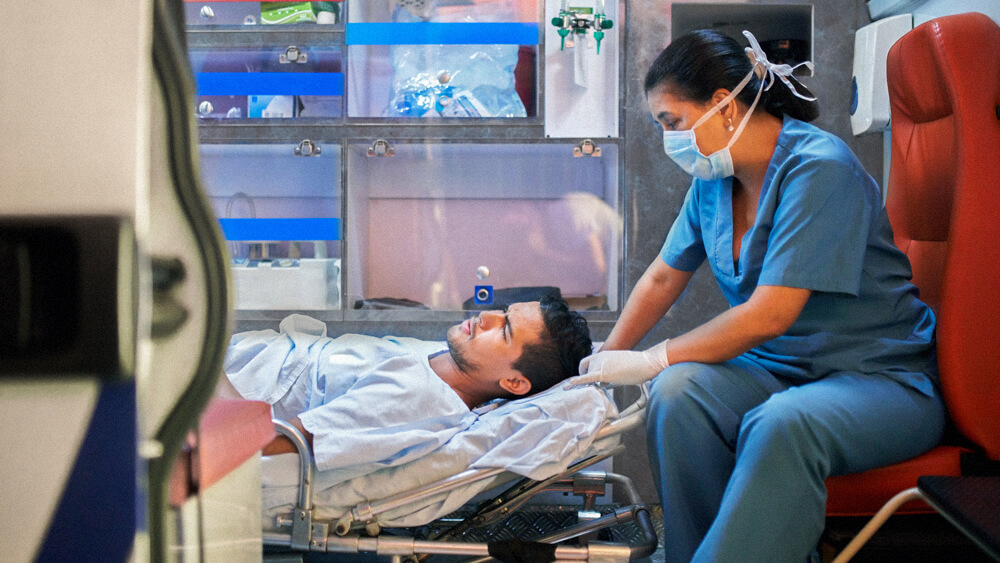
<point>653,295</point>
<point>769,313</point>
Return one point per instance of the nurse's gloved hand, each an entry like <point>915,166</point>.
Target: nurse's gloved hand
<point>621,367</point>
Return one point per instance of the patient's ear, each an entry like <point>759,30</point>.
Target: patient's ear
<point>516,384</point>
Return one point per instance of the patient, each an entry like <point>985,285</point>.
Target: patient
<point>347,394</point>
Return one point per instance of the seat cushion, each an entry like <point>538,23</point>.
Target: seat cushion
<point>862,494</point>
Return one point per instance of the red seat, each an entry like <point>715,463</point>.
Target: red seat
<point>944,204</point>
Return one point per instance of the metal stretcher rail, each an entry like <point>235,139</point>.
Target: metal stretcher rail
<point>310,535</point>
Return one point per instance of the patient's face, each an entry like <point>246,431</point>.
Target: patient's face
<point>492,341</point>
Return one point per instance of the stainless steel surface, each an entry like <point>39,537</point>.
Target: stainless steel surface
<point>320,532</point>
<point>305,462</point>
<point>302,529</point>
<point>598,552</point>
<point>587,148</point>
<point>627,485</point>
<point>381,147</point>
<point>471,476</point>
<point>308,148</point>
<point>293,55</point>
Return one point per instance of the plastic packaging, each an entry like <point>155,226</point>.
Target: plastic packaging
<point>455,80</point>
<point>279,13</point>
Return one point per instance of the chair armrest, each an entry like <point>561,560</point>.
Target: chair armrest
<point>230,432</point>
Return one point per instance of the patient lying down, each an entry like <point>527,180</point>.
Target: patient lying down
<point>348,394</point>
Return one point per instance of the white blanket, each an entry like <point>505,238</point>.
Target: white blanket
<point>536,437</point>
<point>369,402</point>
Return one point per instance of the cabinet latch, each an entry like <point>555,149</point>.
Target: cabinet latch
<point>308,148</point>
<point>381,147</point>
<point>587,148</point>
<point>293,55</point>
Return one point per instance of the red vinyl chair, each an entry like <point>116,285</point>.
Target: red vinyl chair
<point>944,205</point>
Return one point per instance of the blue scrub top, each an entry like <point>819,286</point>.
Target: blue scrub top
<point>821,226</point>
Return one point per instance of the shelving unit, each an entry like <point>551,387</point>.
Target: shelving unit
<point>421,203</point>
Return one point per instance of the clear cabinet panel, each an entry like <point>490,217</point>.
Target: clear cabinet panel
<point>279,206</point>
<point>227,13</point>
<point>470,59</point>
<point>456,226</point>
<point>292,81</point>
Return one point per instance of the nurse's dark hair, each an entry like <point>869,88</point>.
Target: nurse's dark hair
<point>565,341</point>
<point>698,63</point>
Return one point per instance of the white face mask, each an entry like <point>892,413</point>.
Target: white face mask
<point>682,146</point>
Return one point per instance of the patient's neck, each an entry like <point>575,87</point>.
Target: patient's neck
<point>462,383</point>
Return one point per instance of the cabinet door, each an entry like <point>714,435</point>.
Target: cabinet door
<point>279,206</point>
<point>438,225</point>
<point>445,60</point>
<point>257,76</point>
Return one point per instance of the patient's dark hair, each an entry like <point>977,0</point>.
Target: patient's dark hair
<point>564,343</point>
<point>698,63</point>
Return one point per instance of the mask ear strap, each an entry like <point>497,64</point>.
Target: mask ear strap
<point>746,117</point>
<point>729,97</point>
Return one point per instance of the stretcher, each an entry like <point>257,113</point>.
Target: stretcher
<point>363,528</point>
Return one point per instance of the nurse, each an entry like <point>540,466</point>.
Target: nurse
<point>823,365</point>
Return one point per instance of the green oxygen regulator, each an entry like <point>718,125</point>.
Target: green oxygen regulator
<point>578,20</point>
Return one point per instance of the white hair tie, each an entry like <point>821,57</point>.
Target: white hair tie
<point>766,70</point>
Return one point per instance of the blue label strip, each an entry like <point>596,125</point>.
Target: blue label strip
<point>270,83</point>
<point>418,33</point>
<point>281,229</point>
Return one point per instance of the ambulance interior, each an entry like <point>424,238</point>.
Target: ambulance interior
<point>177,172</point>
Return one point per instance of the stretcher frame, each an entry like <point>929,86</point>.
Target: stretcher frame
<point>360,532</point>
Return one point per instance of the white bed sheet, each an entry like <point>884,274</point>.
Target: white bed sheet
<point>536,437</point>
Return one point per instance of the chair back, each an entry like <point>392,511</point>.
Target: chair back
<point>944,203</point>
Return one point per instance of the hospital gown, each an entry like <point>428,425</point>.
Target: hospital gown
<point>741,449</point>
<point>369,402</point>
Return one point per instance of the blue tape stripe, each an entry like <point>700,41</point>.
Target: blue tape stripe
<point>510,33</point>
<point>281,229</point>
<point>270,83</point>
<point>96,518</point>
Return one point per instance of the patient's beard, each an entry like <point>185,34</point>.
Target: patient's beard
<point>464,365</point>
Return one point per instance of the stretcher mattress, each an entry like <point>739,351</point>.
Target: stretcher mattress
<point>535,437</point>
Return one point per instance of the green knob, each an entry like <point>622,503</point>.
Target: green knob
<point>607,24</point>
<point>558,22</point>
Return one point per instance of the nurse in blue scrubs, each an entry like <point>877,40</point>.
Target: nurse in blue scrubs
<point>823,365</point>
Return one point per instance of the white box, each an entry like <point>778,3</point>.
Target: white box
<point>869,90</point>
<point>284,284</point>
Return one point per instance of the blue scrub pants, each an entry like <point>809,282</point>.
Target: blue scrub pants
<point>740,456</point>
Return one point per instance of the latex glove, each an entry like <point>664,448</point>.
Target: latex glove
<point>621,367</point>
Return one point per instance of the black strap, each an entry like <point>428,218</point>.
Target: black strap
<point>519,551</point>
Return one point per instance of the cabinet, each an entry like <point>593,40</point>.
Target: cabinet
<point>396,160</point>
